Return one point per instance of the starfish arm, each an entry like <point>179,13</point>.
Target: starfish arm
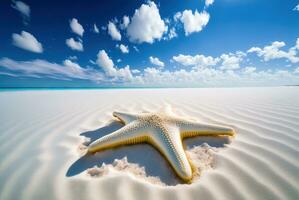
<point>189,129</point>
<point>168,141</point>
<point>125,117</point>
<point>129,134</point>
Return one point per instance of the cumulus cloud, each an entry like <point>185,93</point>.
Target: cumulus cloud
<point>42,68</point>
<point>296,8</point>
<point>209,77</point>
<point>274,51</point>
<point>177,16</point>
<point>123,48</point>
<point>135,71</point>
<point>193,22</point>
<point>125,23</point>
<point>113,32</point>
<point>197,60</point>
<point>204,77</point>
<point>73,67</point>
<point>76,27</point>
<point>106,63</point>
<point>156,61</point>
<point>27,41</point>
<point>95,29</point>
<point>231,61</point>
<point>74,45</point>
<point>209,2</point>
<point>23,8</point>
<point>249,70</point>
<point>146,24</point>
<point>171,34</point>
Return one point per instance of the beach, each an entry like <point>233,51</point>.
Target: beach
<point>43,134</point>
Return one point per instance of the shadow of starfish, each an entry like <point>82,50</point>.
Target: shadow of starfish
<point>142,154</point>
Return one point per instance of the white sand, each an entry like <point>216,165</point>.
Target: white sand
<point>41,133</point>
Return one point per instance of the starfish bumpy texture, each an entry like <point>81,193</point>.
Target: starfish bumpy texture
<point>164,131</point>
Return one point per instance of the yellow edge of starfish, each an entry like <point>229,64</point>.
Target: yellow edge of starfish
<point>186,134</point>
<point>146,139</point>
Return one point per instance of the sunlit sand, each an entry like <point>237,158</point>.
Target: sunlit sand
<point>44,135</point>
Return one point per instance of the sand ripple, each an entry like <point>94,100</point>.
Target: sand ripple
<point>40,135</point>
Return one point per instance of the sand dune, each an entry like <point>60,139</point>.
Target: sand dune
<point>41,133</point>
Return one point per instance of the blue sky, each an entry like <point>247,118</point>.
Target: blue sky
<point>207,43</point>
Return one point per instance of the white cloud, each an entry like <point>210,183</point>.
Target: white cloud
<point>42,68</point>
<point>203,77</point>
<point>249,70</point>
<point>177,16</point>
<point>156,61</point>
<point>209,77</point>
<point>74,45</point>
<point>193,22</point>
<point>231,61</point>
<point>172,34</point>
<point>76,27</point>
<point>136,49</point>
<point>197,60</point>
<point>209,2</point>
<point>27,41</point>
<point>135,71</point>
<point>146,24</point>
<point>92,62</point>
<point>95,29</point>
<point>113,32</point>
<point>8,74</point>
<point>23,8</point>
<point>73,67</point>
<point>167,20</point>
<point>296,8</point>
<point>254,49</point>
<point>126,21</point>
<point>104,61</point>
<point>200,77</point>
<point>73,58</point>
<point>123,48</point>
<point>274,51</point>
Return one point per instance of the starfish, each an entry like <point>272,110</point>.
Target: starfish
<point>164,131</point>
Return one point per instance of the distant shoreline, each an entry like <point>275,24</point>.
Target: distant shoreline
<point>107,88</point>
